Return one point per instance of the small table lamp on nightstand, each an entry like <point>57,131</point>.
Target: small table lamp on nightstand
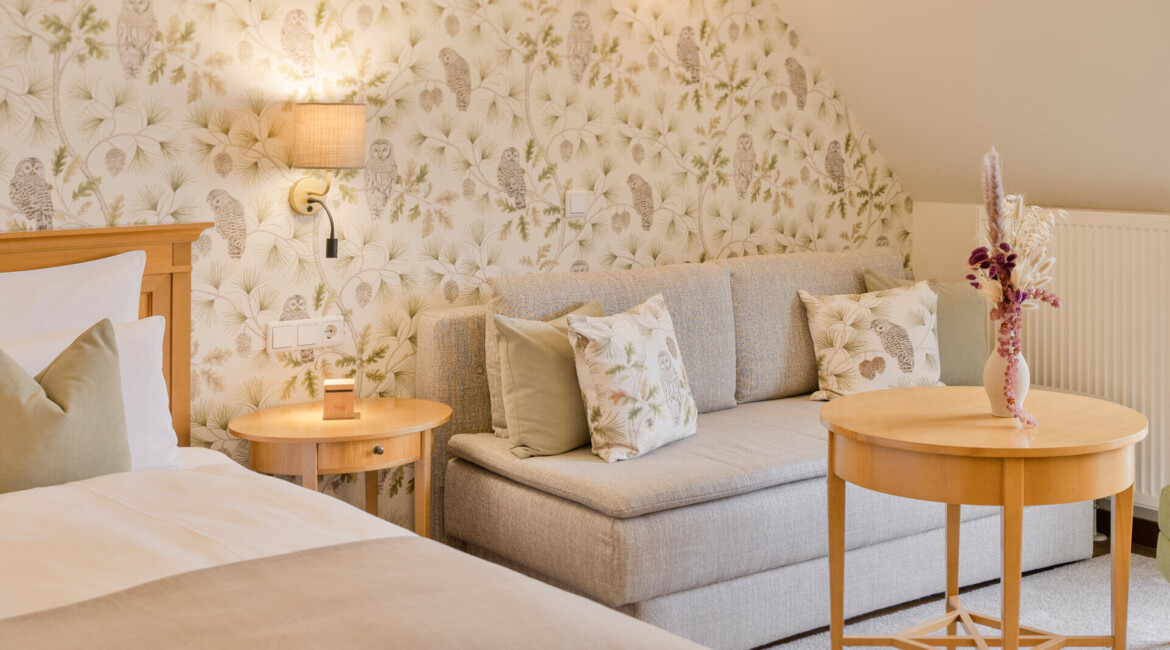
<point>329,137</point>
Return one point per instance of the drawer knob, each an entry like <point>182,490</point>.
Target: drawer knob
<point>379,450</point>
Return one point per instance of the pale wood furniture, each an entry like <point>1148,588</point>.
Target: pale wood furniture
<point>166,285</point>
<point>941,444</point>
<point>386,432</point>
<point>339,399</point>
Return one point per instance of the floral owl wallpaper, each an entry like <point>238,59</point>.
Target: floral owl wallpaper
<point>701,128</point>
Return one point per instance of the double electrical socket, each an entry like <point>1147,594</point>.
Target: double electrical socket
<point>305,334</point>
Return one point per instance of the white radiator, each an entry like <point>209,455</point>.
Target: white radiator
<point>1110,337</point>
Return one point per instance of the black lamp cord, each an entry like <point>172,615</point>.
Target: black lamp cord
<point>331,243</point>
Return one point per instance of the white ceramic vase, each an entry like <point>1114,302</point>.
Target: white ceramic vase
<point>993,383</point>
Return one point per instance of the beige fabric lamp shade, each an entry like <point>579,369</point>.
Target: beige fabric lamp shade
<point>329,136</point>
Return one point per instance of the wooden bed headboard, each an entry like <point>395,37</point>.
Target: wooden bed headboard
<point>166,285</point>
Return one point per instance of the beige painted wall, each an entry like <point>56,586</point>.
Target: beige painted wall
<point>1072,93</point>
<point>944,235</point>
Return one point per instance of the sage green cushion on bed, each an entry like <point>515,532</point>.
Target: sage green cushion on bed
<point>67,423</point>
<point>542,399</point>
<point>963,327</point>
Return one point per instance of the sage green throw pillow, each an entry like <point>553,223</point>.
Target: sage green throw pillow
<point>542,399</point>
<point>964,332</point>
<point>67,423</point>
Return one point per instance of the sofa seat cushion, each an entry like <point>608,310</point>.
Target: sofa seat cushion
<point>623,561</point>
<point>747,448</point>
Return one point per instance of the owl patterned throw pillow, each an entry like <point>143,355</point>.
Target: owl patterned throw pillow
<point>632,379</point>
<point>873,341</point>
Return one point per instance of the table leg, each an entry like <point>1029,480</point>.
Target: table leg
<point>309,466</point>
<point>1120,541</point>
<point>836,489</point>
<point>422,485</point>
<point>1013,528</point>
<point>372,492</point>
<point>953,523</point>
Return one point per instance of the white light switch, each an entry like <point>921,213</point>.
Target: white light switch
<point>308,334</point>
<point>578,204</point>
<point>284,336</point>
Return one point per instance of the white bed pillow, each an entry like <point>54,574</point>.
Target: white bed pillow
<point>71,298</point>
<point>152,439</point>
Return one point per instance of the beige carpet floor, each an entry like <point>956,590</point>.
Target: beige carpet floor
<point>1072,599</point>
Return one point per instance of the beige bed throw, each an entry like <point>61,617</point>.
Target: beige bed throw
<point>402,592</point>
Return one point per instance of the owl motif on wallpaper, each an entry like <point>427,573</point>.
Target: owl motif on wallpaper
<point>510,175</point>
<point>297,41</point>
<point>643,199</point>
<point>672,388</point>
<point>458,76</point>
<point>580,45</point>
<point>381,172</point>
<point>297,308</point>
<point>30,193</point>
<point>688,53</point>
<point>896,343</point>
<point>230,222</point>
<point>835,165</point>
<point>137,27</point>
<point>745,163</point>
<point>797,81</point>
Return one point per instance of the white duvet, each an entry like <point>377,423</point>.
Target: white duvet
<point>68,543</point>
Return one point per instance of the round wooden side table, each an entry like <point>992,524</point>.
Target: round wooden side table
<point>942,444</point>
<point>387,432</point>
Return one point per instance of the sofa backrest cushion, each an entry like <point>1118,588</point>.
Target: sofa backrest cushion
<point>774,354</point>
<point>697,295</point>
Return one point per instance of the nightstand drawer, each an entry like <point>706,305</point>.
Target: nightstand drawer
<point>362,455</point>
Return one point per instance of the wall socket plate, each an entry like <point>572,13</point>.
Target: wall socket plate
<point>305,334</point>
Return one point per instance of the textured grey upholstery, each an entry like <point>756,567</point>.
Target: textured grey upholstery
<point>450,369</point>
<point>719,537</point>
<point>792,599</point>
<point>734,451</point>
<point>773,349</point>
<point>697,295</point>
<point>623,561</point>
<point>770,605</point>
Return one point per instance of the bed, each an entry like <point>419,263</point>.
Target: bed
<point>214,555</point>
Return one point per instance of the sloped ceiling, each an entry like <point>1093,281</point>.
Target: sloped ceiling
<point>1074,93</point>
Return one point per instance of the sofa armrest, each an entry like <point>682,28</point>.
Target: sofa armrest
<point>449,368</point>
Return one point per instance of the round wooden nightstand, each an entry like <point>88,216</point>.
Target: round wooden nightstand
<point>294,439</point>
<point>942,444</point>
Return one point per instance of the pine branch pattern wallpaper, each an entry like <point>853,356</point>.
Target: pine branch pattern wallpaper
<point>701,128</point>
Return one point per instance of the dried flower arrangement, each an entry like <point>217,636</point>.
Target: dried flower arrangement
<point>1011,267</point>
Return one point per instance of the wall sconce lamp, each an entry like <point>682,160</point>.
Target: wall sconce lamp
<point>329,137</point>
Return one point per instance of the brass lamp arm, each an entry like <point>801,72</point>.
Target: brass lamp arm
<point>302,193</point>
<point>306,196</point>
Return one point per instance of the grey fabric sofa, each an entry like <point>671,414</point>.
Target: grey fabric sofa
<point>720,537</point>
